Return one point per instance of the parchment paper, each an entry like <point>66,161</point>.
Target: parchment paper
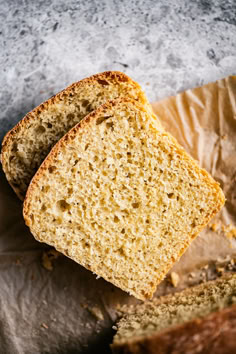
<point>203,120</point>
<point>66,309</point>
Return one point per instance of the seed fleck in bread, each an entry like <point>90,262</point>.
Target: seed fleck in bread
<point>201,319</point>
<point>28,143</point>
<point>119,196</point>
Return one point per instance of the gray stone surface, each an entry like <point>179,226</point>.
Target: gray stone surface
<point>167,46</point>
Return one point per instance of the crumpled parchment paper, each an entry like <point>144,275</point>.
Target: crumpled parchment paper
<point>66,309</point>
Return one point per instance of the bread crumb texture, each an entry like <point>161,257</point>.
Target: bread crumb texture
<point>29,142</point>
<point>121,197</point>
<point>171,310</point>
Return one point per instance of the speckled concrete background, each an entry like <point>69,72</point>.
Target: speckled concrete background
<point>167,46</point>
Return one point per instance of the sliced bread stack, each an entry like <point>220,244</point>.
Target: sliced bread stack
<point>29,142</point>
<point>201,319</point>
<point>117,194</point>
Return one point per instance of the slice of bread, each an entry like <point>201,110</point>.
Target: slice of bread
<point>121,197</point>
<point>196,320</point>
<point>28,143</point>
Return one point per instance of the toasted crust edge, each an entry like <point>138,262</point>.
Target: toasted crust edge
<point>22,124</point>
<point>214,333</point>
<point>166,299</point>
<point>70,135</point>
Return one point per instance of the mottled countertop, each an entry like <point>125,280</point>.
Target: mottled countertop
<point>167,46</point>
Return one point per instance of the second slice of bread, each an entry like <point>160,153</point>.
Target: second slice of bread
<point>121,197</point>
<point>197,320</point>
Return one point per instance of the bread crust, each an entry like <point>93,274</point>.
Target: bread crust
<point>70,90</point>
<point>166,299</point>
<point>215,333</point>
<point>80,127</point>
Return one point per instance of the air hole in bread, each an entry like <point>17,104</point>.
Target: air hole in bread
<point>116,219</point>
<point>40,129</point>
<point>63,205</point>
<point>14,147</point>
<point>110,125</point>
<point>43,207</point>
<point>121,251</point>
<point>51,169</point>
<point>103,82</point>
<point>70,191</point>
<point>59,221</point>
<point>101,119</point>
<point>71,116</point>
<point>85,103</point>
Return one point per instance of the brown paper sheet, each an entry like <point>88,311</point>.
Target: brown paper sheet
<point>68,310</point>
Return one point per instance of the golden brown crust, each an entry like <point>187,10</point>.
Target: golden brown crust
<point>32,115</point>
<point>80,126</point>
<point>215,333</point>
